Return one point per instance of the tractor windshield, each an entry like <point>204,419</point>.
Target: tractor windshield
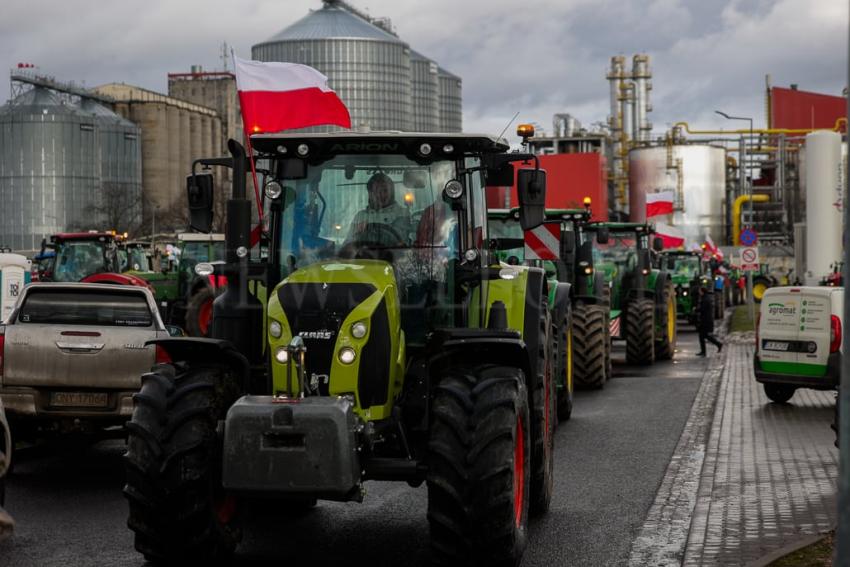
<point>384,207</point>
<point>134,258</point>
<point>620,249</point>
<point>508,236</point>
<point>76,259</point>
<point>687,267</point>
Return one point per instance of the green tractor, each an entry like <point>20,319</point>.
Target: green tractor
<point>642,299</point>
<point>390,348</point>
<point>687,269</point>
<point>507,242</point>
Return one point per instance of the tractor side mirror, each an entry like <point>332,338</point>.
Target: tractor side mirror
<point>568,242</point>
<point>531,191</point>
<point>602,236</point>
<point>199,188</point>
<point>500,176</point>
<point>658,244</point>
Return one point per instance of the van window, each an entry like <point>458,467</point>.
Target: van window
<point>103,308</point>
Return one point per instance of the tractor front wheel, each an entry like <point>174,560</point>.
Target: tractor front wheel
<point>590,335</point>
<point>543,415</point>
<point>640,328</point>
<point>178,509</point>
<point>479,470</point>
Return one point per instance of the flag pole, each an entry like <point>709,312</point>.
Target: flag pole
<point>254,176</point>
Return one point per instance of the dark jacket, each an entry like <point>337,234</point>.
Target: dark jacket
<point>706,313</point>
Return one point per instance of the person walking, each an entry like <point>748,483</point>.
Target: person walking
<point>705,322</point>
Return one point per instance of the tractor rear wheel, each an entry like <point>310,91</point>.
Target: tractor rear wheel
<point>665,341</point>
<point>178,509</point>
<point>640,328</point>
<point>479,467</point>
<point>562,334</point>
<point>760,285</point>
<point>590,352</point>
<point>543,415</point>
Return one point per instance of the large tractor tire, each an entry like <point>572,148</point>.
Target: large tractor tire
<point>590,352</point>
<point>479,467</point>
<point>543,422</point>
<point>665,341</point>
<point>639,332</point>
<point>199,312</point>
<point>562,334</point>
<point>178,510</point>
<point>760,285</point>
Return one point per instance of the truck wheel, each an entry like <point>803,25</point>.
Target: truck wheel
<point>640,328</point>
<point>543,415</point>
<point>199,312</point>
<point>479,467</point>
<point>665,342</point>
<point>779,393</point>
<point>590,351</point>
<point>562,334</point>
<point>178,510</point>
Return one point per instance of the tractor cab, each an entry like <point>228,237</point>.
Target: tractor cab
<point>78,255</point>
<point>687,270</point>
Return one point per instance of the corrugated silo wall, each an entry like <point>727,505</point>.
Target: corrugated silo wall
<point>49,174</point>
<point>185,142</point>
<point>121,175</point>
<point>372,78</point>
<point>175,168</point>
<point>152,119</point>
<point>451,111</point>
<point>425,88</point>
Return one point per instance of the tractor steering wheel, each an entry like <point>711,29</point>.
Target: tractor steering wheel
<point>373,235</point>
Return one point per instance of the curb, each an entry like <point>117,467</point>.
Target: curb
<point>787,550</point>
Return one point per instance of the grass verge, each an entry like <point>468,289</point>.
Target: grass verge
<point>741,321</point>
<point>818,554</point>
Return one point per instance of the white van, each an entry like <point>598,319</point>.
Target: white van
<point>798,340</point>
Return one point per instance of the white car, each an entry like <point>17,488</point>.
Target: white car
<point>798,340</point>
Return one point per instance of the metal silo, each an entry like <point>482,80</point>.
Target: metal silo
<point>451,112</point>
<point>425,91</point>
<point>696,173</point>
<point>367,66</point>
<point>120,155</point>
<point>49,171</point>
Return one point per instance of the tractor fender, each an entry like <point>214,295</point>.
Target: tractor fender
<point>460,346</point>
<point>117,279</point>
<point>199,350</point>
<point>561,305</point>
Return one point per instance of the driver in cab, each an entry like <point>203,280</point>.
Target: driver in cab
<point>382,209</point>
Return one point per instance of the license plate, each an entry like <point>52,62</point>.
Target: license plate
<point>79,399</point>
<point>776,345</point>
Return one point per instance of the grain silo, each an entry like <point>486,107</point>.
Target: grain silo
<point>367,65</point>
<point>425,89</point>
<point>451,111</point>
<point>49,171</point>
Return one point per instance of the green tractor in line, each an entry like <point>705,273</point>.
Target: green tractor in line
<point>687,269</point>
<point>390,348</point>
<point>642,299</point>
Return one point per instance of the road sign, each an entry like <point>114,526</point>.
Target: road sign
<point>543,242</point>
<point>749,237</point>
<point>750,259</point>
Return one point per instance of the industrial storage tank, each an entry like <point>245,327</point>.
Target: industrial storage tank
<point>425,93</point>
<point>49,168</point>
<point>119,146</point>
<point>451,112</point>
<point>367,66</point>
<point>696,173</point>
<point>825,171</point>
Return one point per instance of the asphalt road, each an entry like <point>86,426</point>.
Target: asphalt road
<point>610,459</point>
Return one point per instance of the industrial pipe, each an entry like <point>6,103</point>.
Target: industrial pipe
<point>736,214</point>
<point>799,131</point>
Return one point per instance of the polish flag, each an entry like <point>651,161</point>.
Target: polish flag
<point>659,204</point>
<point>284,96</point>
<point>671,236</point>
<point>712,248</point>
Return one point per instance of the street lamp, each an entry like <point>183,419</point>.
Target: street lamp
<point>748,186</point>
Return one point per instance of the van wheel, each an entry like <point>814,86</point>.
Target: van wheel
<point>779,393</point>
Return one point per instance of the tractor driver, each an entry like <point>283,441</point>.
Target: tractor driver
<point>384,210</point>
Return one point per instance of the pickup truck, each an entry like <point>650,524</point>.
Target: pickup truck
<point>71,355</point>
<point>7,525</point>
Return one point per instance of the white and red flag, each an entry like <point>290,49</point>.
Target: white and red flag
<point>672,237</point>
<point>283,96</point>
<point>659,204</point>
<point>712,249</point>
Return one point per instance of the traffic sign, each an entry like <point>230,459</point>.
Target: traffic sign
<point>749,237</point>
<point>750,259</point>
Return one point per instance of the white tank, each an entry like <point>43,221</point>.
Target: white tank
<point>14,275</point>
<point>824,203</point>
<point>698,208</point>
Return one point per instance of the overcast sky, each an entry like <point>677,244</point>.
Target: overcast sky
<point>537,57</point>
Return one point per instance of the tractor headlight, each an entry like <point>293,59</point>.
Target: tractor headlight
<point>347,355</point>
<point>282,355</point>
<point>275,329</point>
<point>359,329</point>
<point>684,293</point>
<point>645,271</point>
<point>588,270</point>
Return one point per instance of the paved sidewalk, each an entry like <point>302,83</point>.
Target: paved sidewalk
<point>770,470</point>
